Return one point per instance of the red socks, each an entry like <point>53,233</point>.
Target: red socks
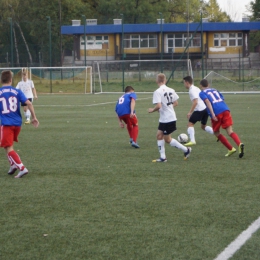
<point>135,133</point>
<point>224,141</point>
<point>14,159</point>
<point>236,139</point>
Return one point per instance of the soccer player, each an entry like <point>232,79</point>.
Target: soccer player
<point>125,109</point>
<point>198,111</point>
<point>220,117</point>
<point>11,121</point>
<point>165,99</point>
<point>27,87</point>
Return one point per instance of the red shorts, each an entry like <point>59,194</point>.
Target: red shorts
<point>129,121</point>
<point>8,135</point>
<point>224,121</point>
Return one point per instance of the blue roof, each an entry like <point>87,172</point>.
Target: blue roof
<point>156,28</point>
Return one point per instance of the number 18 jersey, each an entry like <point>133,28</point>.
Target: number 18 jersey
<point>216,99</point>
<point>10,99</point>
<point>166,96</point>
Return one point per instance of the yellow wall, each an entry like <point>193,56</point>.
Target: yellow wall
<point>102,52</point>
<point>228,50</point>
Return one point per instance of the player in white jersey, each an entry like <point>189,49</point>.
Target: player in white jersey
<point>27,87</point>
<point>197,112</point>
<point>165,99</point>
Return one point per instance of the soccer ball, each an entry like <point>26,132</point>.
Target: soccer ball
<point>183,138</point>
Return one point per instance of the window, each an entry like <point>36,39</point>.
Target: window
<point>97,42</point>
<point>180,40</point>
<point>140,41</point>
<point>228,39</point>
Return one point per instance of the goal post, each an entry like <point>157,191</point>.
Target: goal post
<point>113,76</point>
<point>62,79</point>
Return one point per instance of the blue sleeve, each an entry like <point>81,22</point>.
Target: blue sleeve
<point>133,95</point>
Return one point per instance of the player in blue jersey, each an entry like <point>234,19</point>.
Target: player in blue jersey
<point>125,109</point>
<point>11,121</point>
<point>220,117</point>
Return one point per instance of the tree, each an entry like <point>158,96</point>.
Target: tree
<point>214,13</point>
<point>254,8</point>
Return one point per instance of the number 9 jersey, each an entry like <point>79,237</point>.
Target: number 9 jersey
<point>10,99</point>
<point>166,96</point>
<point>216,99</point>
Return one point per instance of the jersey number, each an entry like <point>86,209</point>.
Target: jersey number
<point>215,97</point>
<point>12,105</point>
<point>169,98</point>
<point>121,100</point>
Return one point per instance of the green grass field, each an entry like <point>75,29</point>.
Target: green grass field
<point>90,195</point>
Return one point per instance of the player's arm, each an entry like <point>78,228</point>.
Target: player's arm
<point>175,103</point>
<point>34,93</point>
<point>132,106</point>
<point>121,124</point>
<point>34,90</point>
<point>208,104</point>
<point>35,121</point>
<point>194,104</point>
<point>156,108</point>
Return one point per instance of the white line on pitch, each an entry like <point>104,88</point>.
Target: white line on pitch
<point>239,241</point>
<point>90,105</point>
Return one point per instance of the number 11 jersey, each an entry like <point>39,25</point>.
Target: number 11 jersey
<point>166,96</point>
<point>216,99</point>
<point>10,99</point>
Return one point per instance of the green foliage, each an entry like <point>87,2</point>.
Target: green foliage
<point>31,28</point>
<point>214,13</point>
<point>254,7</point>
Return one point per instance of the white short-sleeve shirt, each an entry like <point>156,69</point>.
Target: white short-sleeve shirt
<point>166,96</point>
<point>26,87</point>
<point>194,93</point>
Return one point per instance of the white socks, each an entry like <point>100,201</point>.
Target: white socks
<point>28,114</point>
<point>178,145</point>
<point>161,148</point>
<point>191,133</point>
<point>209,130</point>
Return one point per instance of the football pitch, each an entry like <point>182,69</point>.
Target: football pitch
<point>90,195</point>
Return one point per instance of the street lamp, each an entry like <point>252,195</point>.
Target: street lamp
<point>123,55</point>
<point>85,54</point>
<point>50,55</point>
<point>11,34</point>
<point>161,41</point>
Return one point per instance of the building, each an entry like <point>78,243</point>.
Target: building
<point>161,40</point>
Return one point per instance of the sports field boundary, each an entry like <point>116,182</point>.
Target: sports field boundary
<point>234,246</point>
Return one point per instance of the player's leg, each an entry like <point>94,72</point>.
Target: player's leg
<point>216,127</point>
<point>135,130</point>
<point>161,144</point>
<point>28,113</point>
<point>191,134</point>
<point>204,120</point>
<point>126,118</point>
<point>235,137</point>
<point>227,124</point>
<point>170,128</point>
<point>9,134</point>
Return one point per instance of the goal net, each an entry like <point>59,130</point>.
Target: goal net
<point>62,79</point>
<point>113,76</point>
<point>233,82</point>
